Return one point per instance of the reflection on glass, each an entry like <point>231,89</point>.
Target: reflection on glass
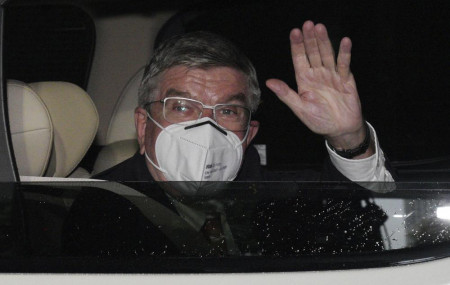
<point>443,213</point>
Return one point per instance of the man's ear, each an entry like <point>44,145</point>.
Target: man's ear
<point>140,122</point>
<point>253,130</point>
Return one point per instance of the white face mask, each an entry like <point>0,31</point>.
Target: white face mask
<point>197,151</point>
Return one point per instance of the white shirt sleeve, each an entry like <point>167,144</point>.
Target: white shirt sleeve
<point>370,169</point>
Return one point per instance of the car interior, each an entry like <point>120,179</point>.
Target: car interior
<point>72,70</point>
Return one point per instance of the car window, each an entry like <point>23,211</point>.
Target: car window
<point>303,226</point>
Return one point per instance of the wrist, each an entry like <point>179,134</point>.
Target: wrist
<point>352,145</point>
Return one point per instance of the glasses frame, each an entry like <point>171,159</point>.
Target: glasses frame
<point>204,106</point>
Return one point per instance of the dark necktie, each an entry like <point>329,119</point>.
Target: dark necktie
<point>212,229</point>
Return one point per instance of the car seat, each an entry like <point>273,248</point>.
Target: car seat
<point>75,121</point>
<point>121,137</point>
<point>31,129</point>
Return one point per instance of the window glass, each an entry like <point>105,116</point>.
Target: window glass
<point>304,225</point>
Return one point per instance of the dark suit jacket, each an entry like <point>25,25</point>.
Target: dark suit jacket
<point>102,223</point>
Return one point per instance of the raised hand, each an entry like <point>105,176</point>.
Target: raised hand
<point>327,100</point>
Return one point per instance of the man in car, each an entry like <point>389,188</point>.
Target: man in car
<point>194,124</point>
<point>199,91</point>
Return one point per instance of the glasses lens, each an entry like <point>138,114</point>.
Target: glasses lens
<point>178,110</point>
<point>233,117</point>
<point>228,116</point>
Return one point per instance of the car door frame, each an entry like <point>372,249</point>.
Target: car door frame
<point>8,168</point>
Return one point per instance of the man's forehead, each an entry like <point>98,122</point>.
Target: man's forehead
<point>194,82</point>
<point>205,72</point>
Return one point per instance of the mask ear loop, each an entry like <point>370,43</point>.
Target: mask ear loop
<point>154,121</point>
<point>156,166</point>
<point>245,137</point>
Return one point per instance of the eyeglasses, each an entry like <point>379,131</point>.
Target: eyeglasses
<point>178,110</point>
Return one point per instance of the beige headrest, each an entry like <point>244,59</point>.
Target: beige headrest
<point>121,126</point>
<point>31,129</point>
<point>75,123</point>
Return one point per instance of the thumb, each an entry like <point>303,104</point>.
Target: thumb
<point>284,93</point>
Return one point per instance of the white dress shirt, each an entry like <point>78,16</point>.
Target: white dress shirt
<point>370,169</point>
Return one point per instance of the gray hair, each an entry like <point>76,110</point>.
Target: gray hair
<point>197,50</point>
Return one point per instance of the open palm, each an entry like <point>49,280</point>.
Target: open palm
<point>327,100</point>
